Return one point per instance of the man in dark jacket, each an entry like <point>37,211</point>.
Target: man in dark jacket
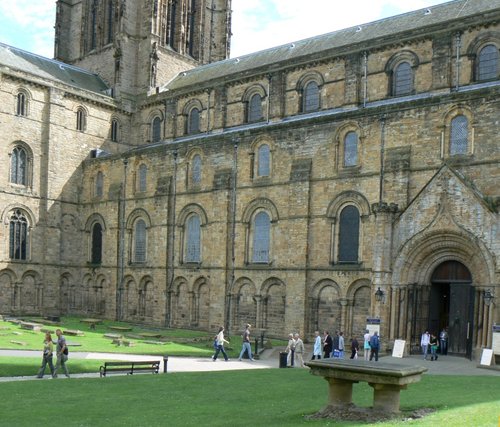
<point>374,346</point>
<point>327,345</point>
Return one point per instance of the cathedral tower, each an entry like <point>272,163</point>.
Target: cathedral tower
<point>137,45</point>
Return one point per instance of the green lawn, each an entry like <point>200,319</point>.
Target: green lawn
<point>271,397</point>
<point>175,342</point>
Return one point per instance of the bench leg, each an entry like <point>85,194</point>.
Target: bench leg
<point>386,397</point>
<point>339,392</point>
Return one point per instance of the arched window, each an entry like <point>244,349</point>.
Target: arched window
<point>93,24</point>
<point>310,99</point>
<point>263,160</point>
<point>96,246</point>
<point>196,170</point>
<point>255,108</point>
<point>402,79</point>
<point>143,175</point>
<point>81,120</point>
<point>140,241</point>
<point>487,67</point>
<point>459,135</point>
<point>19,166</point>
<point>18,236</point>
<point>110,21</point>
<point>193,121</point>
<point>115,128</point>
<point>193,238</point>
<point>156,129</point>
<point>22,104</point>
<point>349,235</point>
<point>261,238</point>
<point>99,184</point>
<point>351,149</point>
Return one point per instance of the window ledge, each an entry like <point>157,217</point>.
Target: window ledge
<point>347,266</point>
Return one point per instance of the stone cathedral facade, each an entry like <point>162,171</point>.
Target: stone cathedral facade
<point>147,177</point>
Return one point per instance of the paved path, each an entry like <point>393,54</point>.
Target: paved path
<point>446,365</point>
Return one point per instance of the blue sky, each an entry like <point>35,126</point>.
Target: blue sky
<point>257,24</point>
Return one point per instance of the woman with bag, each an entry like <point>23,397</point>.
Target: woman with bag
<point>48,349</point>
<point>433,342</point>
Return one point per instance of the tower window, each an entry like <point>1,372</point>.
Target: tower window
<point>81,120</point>
<point>115,127</point>
<point>196,170</point>
<point>459,135</point>
<point>402,79</point>
<point>21,105</point>
<point>261,238</point>
<point>193,236</point>
<point>156,129</point>
<point>18,236</point>
<point>264,160</point>
<point>140,241</point>
<point>487,68</point>
<point>193,121</point>
<point>310,100</point>
<point>96,251</point>
<point>143,173</point>
<point>19,166</point>
<point>255,108</point>
<point>351,149</point>
<point>349,235</point>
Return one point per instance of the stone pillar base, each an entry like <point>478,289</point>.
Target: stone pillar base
<point>386,397</point>
<point>339,392</point>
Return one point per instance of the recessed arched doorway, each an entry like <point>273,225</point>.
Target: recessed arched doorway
<point>451,305</point>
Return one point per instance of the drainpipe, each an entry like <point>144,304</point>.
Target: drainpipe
<point>458,44</point>
<point>121,243</point>
<point>365,83</point>
<point>232,235</point>
<point>382,158</point>
<point>171,244</point>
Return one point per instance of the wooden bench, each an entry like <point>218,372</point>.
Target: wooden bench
<point>129,367</point>
<point>387,381</point>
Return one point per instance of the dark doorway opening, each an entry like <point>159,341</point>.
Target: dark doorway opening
<point>451,306</point>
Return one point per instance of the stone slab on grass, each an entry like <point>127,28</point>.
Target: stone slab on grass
<point>22,343</point>
<point>73,332</point>
<point>120,328</point>
<point>113,336</point>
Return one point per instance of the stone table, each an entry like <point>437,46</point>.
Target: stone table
<point>386,380</point>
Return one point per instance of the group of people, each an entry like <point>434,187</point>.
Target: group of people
<point>430,341</point>
<point>295,350</point>
<point>335,346</point>
<point>48,351</point>
<point>219,341</point>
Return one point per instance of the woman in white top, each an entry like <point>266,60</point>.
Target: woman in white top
<point>220,345</point>
<point>366,345</point>
<point>317,346</point>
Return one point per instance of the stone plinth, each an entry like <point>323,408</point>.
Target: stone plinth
<point>386,380</point>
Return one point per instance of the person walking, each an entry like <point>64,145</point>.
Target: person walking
<point>299,351</point>
<point>424,343</point>
<point>317,346</point>
<point>290,349</point>
<point>220,345</point>
<point>335,352</point>
<point>366,344</point>
<point>433,342</point>
<point>62,354</point>
<point>246,347</point>
<point>443,341</point>
<point>341,345</point>
<point>354,348</point>
<point>374,346</point>
<point>48,349</point>
<point>327,345</point>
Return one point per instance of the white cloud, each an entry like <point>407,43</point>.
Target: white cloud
<point>259,24</point>
<point>28,24</point>
<point>256,24</point>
